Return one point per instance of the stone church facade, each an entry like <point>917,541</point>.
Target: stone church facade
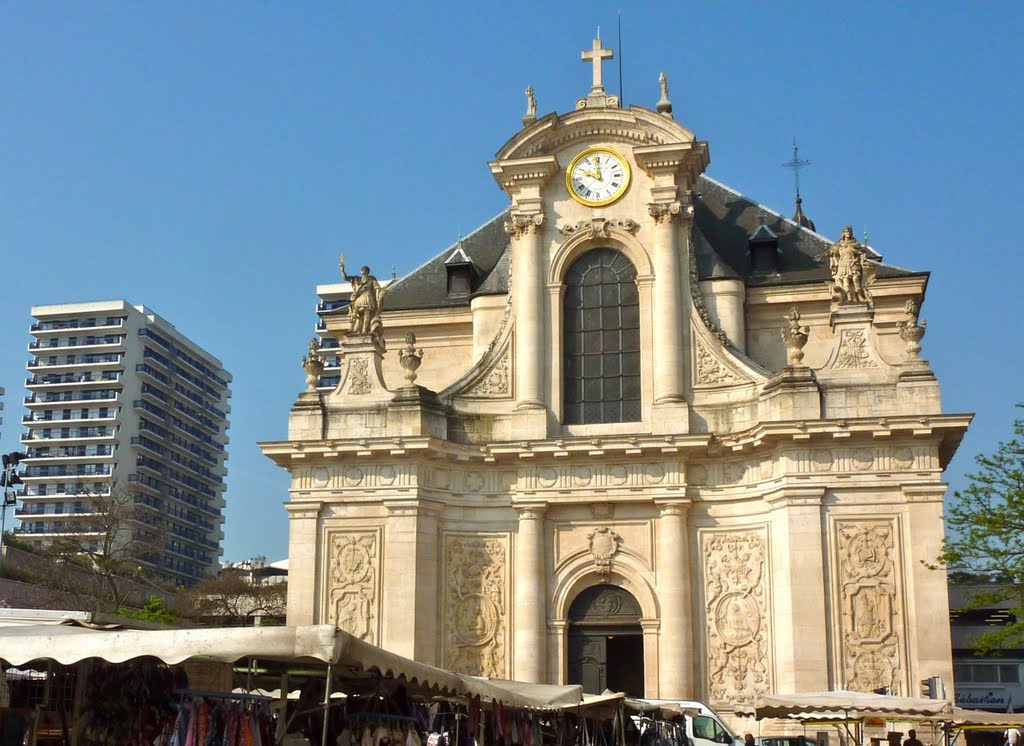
<point>637,431</point>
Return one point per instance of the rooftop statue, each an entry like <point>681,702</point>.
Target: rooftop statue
<point>364,309</point>
<point>852,271</point>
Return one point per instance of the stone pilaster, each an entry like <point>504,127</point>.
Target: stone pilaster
<point>800,608</point>
<point>928,617</point>
<point>524,179</point>
<point>411,560</point>
<point>529,662</point>
<point>303,530</point>
<point>675,663</point>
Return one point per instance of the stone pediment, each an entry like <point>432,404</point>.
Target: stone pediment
<point>636,126</point>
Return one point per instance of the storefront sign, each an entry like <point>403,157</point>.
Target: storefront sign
<point>980,698</point>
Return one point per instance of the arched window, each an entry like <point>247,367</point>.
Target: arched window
<point>601,340</point>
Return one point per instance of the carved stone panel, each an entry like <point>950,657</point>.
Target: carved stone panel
<point>854,350</point>
<point>476,605</point>
<point>736,616</point>
<point>870,616</point>
<point>710,370</point>
<point>353,564</point>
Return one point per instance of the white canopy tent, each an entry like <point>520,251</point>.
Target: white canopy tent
<point>844,705</point>
<point>318,645</point>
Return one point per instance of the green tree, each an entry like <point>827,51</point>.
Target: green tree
<point>985,539</point>
<point>154,610</point>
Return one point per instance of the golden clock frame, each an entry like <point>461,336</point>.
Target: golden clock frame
<point>598,203</point>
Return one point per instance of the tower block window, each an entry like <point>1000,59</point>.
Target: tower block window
<point>601,340</point>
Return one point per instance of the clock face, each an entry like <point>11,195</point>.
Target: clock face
<point>597,176</point>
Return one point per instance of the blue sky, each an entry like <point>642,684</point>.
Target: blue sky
<point>210,160</point>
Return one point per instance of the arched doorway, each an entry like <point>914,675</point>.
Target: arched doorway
<point>606,643</point>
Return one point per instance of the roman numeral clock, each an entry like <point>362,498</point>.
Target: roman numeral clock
<point>597,176</point>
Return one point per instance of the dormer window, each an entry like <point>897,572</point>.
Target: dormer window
<point>459,268</point>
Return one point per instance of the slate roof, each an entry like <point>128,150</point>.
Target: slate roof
<point>427,285</point>
<point>724,222</point>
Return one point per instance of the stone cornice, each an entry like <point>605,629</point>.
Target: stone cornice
<point>691,158</point>
<point>511,174</point>
<point>790,496</point>
<point>940,426</point>
<point>945,430</point>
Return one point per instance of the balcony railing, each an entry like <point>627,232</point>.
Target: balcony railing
<point>52,326</point>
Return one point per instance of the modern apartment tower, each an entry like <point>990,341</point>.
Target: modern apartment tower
<point>120,400</point>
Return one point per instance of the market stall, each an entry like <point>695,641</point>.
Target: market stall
<point>382,689</point>
<point>847,710</point>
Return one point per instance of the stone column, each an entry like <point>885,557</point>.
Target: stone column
<point>528,305</point>
<point>675,664</point>
<point>668,311</point>
<point>530,595</point>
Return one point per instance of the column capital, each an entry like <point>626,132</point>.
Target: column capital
<point>674,506</point>
<point>664,212</point>
<point>531,512</point>
<point>650,626</point>
<point>521,224</point>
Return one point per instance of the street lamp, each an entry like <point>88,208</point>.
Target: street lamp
<point>9,481</point>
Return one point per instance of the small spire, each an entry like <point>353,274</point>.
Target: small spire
<point>531,107</point>
<point>664,105</point>
<point>800,219</point>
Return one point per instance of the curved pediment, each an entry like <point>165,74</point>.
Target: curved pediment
<point>553,132</point>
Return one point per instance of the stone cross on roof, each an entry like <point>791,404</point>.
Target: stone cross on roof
<point>596,57</point>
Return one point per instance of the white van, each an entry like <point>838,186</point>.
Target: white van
<point>705,728</point>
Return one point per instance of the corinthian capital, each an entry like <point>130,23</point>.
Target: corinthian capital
<point>664,212</point>
<point>521,224</point>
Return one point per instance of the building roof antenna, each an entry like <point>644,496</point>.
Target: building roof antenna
<point>621,103</point>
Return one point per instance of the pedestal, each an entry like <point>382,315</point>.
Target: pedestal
<point>791,394</point>
<point>416,411</point>
<point>362,382</point>
<point>917,390</point>
<point>306,421</point>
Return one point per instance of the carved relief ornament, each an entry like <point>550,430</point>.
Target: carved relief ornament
<point>476,609</point>
<point>358,376</point>
<point>352,583</point>
<point>598,227</point>
<point>854,350</point>
<point>870,613</point>
<point>497,382</point>
<point>710,370</point>
<point>604,545</point>
<point>736,616</point>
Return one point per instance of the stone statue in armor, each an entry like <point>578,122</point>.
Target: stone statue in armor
<point>364,308</point>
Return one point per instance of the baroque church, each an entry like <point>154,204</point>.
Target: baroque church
<point>637,432</point>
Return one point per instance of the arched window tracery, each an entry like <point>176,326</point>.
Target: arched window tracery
<point>601,340</point>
